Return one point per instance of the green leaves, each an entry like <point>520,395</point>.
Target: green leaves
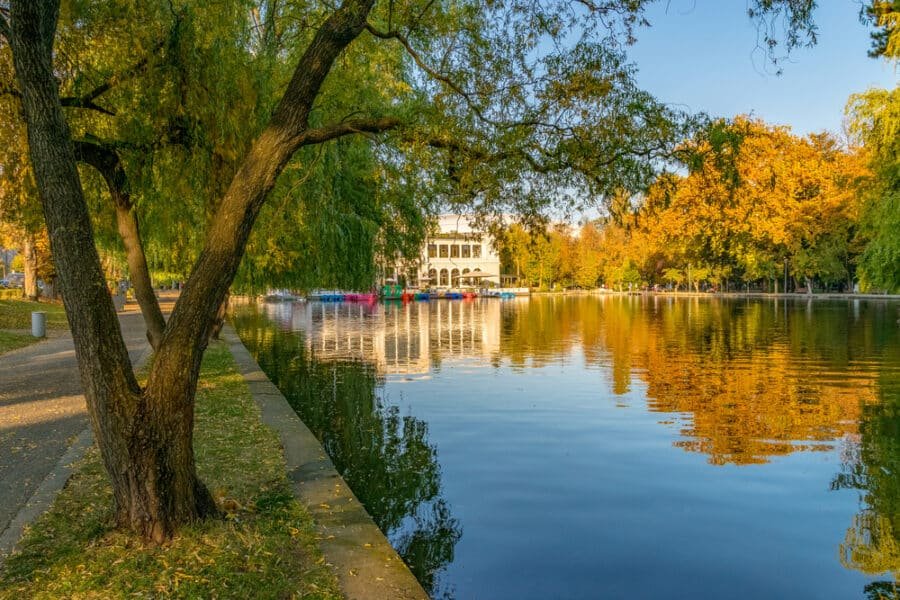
<point>874,122</point>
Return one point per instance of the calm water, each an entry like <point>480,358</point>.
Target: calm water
<point>610,447</point>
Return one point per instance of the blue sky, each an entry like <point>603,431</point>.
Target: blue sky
<point>700,54</point>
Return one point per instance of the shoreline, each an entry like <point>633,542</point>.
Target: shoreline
<point>366,565</point>
<point>778,296</point>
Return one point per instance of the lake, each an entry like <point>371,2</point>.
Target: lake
<point>610,447</point>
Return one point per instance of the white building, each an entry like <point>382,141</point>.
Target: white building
<point>452,252</point>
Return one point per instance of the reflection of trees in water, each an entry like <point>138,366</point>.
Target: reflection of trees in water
<point>384,456</point>
<point>752,378</point>
<point>872,542</point>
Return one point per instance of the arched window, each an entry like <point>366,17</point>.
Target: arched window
<point>432,277</point>
<point>445,277</point>
<point>454,277</point>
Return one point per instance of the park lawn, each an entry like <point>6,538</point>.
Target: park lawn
<point>264,548</point>
<point>10,340</point>
<point>15,315</point>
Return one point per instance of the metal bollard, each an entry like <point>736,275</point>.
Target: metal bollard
<point>39,324</point>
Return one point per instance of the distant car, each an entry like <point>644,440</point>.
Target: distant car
<point>15,280</point>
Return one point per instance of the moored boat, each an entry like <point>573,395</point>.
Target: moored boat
<point>326,296</point>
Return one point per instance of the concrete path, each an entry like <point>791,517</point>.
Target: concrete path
<point>42,414</point>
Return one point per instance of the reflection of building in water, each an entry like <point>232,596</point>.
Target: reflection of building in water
<point>399,339</point>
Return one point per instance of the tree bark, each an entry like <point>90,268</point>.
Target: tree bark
<point>29,254</point>
<point>107,163</point>
<point>220,319</point>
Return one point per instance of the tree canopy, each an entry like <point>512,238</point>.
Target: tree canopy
<point>737,212</point>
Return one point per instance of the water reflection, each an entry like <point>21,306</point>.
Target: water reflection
<point>748,380</point>
<point>410,339</point>
<point>740,382</point>
<point>872,467</point>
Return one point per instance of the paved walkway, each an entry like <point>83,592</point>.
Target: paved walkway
<point>42,411</point>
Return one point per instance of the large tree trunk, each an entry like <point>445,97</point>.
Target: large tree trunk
<point>30,255</point>
<point>107,162</point>
<point>145,436</point>
<point>219,321</point>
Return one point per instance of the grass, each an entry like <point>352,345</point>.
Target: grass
<point>16,315</point>
<point>264,548</point>
<point>10,340</point>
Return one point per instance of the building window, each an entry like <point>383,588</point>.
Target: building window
<point>445,276</point>
<point>432,276</point>
<point>465,271</point>
<point>454,251</point>
<point>454,277</point>
<point>476,251</point>
<point>443,250</point>
<point>432,250</point>
<point>466,251</point>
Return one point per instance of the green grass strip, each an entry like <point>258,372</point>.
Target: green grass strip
<point>11,341</point>
<point>265,547</point>
<point>16,314</point>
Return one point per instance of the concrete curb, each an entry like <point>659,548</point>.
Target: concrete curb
<point>45,494</point>
<point>366,565</point>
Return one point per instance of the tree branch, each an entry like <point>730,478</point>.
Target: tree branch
<point>348,127</point>
<point>82,102</point>
<point>86,104</point>
<point>396,35</point>
<point>8,90</point>
<point>4,27</point>
<point>86,101</point>
<point>106,160</point>
<point>435,74</point>
<point>136,69</point>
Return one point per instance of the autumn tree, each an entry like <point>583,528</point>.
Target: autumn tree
<point>674,276</point>
<point>746,205</point>
<point>588,262</point>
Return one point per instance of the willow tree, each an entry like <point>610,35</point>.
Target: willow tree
<point>507,105</point>
<point>874,120</point>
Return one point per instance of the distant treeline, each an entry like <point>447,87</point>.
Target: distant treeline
<point>748,211</point>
